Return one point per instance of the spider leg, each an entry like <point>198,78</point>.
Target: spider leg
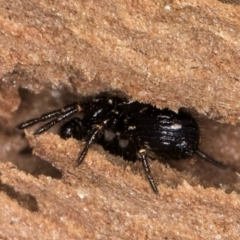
<point>143,157</point>
<point>47,116</point>
<point>48,125</point>
<point>94,135</point>
<point>209,159</point>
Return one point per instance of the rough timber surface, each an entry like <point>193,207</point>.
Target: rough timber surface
<point>168,53</point>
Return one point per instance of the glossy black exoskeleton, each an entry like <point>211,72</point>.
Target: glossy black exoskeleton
<point>133,130</point>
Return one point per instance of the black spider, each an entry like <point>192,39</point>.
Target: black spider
<point>133,130</point>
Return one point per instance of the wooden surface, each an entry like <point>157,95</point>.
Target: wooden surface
<point>167,53</point>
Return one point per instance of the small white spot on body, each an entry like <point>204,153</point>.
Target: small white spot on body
<point>176,126</point>
<point>97,112</point>
<point>116,112</point>
<point>142,151</point>
<point>131,127</point>
<point>165,143</point>
<point>79,108</point>
<point>109,135</point>
<point>144,109</point>
<point>123,143</point>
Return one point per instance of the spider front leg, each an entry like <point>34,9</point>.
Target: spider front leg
<point>142,154</point>
<point>74,128</point>
<point>60,114</point>
<point>94,135</point>
<point>92,138</point>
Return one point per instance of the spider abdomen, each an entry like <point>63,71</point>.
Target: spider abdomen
<point>166,133</point>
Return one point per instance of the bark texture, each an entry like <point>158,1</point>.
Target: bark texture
<point>170,53</point>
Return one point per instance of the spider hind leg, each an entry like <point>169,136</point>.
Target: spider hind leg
<point>205,157</point>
